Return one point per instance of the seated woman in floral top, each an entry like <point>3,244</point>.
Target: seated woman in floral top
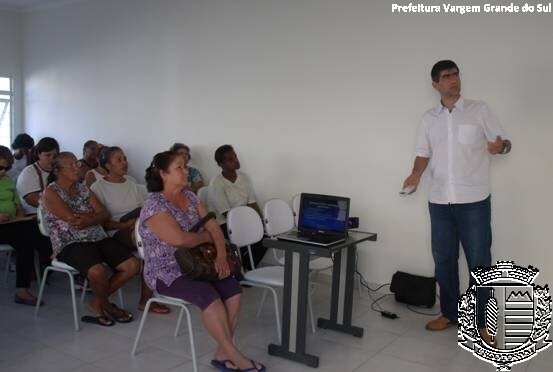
<point>75,217</point>
<point>165,220</point>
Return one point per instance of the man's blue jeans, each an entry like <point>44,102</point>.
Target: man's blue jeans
<point>470,225</point>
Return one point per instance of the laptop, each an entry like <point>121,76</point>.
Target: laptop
<point>322,220</point>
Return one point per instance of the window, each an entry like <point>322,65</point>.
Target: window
<point>6,99</point>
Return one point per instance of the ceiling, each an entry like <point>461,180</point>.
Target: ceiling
<point>29,4</point>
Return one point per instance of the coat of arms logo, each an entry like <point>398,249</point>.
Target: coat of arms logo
<point>517,315</point>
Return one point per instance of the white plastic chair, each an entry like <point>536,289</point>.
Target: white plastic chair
<point>279,219</point>
<point>202,195</point>
<point>159,298</point>
<point>70,271</point>
<point>8,250</point>
<point>62,267</point>
<point>244,229</point>
<point>296,207</point>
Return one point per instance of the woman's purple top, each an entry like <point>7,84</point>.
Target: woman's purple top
<point>159,259</point>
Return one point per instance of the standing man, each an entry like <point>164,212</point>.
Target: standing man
<point>457,139</point>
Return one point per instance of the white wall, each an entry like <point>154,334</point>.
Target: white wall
<point>316,95</point>
<point>10,61</point>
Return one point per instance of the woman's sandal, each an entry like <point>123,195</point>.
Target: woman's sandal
<point>101,320</point>
<point>254,367</point>
<point>156,309</point>
<point>123,315</point>
<point>222,365</point>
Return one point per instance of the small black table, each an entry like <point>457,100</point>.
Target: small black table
<point>296,287</point>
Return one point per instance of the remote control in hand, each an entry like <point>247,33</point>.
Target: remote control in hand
<point>407,190</point>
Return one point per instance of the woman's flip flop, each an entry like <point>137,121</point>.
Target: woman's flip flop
<point>101,320</point>
<point>156,309</point>
<point>123,315</point>
<point>254,367</point>
<point>222,365</point>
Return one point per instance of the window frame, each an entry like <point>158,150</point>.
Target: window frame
<point>10,94</point>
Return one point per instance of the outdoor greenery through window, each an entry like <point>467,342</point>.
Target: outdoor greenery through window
<point>6,98</point>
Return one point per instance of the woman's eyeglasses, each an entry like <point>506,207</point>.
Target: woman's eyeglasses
<point>2,168</point>
<point>73,164</point>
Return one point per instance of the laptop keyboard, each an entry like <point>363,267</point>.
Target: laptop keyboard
<point>324,239</point>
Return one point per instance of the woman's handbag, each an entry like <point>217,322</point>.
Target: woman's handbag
<point>198,263</point>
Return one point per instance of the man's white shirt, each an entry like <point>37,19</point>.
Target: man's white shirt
<point>225,195</point>
<point>457,144</point>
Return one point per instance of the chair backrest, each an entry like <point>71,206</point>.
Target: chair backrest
<point>244,226</point>
<point>279,217</point>
<point>41,220</point>
<point>202,195</point>
<point>139,241</point>
<point>296,207</point>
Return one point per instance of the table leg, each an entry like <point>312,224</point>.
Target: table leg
<point>341,306</point>
<point>294,310</point>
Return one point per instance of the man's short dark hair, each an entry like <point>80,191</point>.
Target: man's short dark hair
<point>440,66</point>
<point>221,151</point>
<point>88,144</point>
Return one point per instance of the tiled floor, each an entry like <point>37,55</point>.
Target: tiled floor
<point>49,343</point>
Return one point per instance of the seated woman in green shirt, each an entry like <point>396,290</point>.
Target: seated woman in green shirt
<point>22,235</point>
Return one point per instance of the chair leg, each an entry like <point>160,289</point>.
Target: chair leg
<point>83,290</point>
<point>142,321</point>
<point>277,316</point>
<point>315,275</point>
<point>313,283</point>
<point>37,267</point>
<point>260,307</point>
<point>251,256</point>
<point>71,287</point>
<point>73,299</point>
<point>177,328</point>
<point>191,337</point>
<point>189,322</point>
<point>7,269</point>
<point>41,291</point>
<point>312,287</point>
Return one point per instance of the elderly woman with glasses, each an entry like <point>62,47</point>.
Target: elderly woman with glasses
<point>75,218</point>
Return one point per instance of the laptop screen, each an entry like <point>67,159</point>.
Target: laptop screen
<point>323,213</point>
